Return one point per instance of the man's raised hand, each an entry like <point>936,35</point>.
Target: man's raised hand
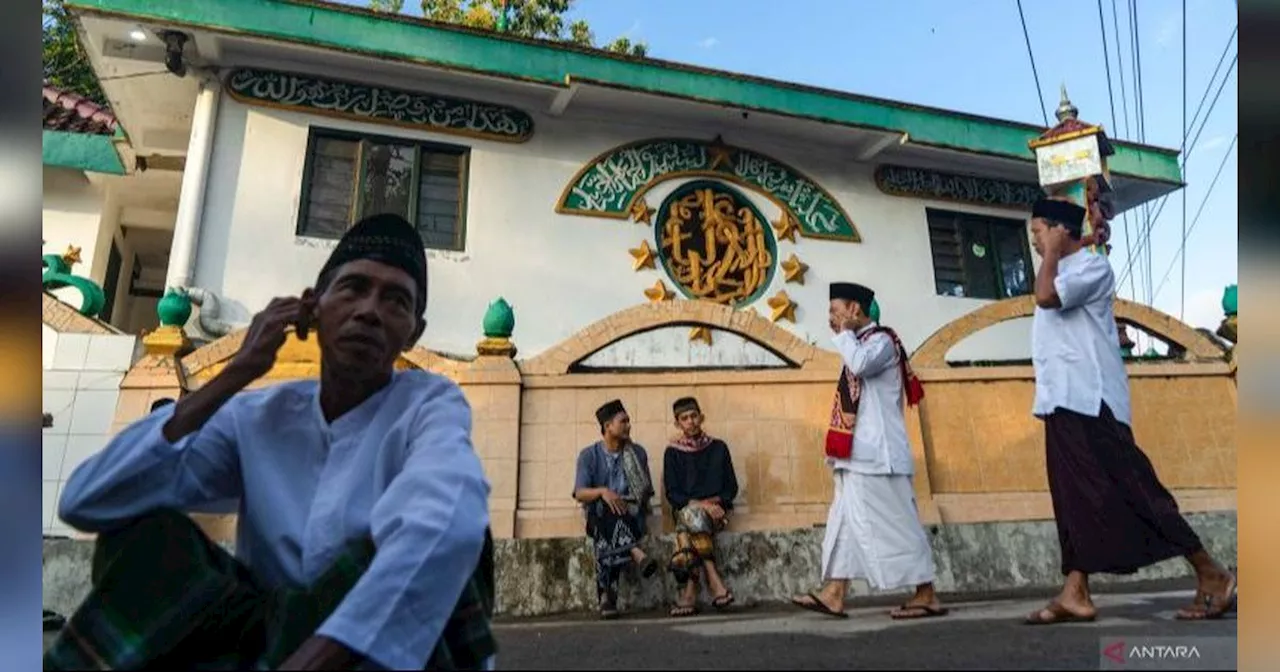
<point>267,333</point>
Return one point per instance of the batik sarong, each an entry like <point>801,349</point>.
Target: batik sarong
<point>695,541</point>
<point>612,535</point>
<point>165,596</point>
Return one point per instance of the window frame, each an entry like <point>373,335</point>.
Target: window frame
<point>990,222</point>
<point>317,133</point>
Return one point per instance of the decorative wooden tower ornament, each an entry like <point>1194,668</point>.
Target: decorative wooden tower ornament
<point>1072,161</point>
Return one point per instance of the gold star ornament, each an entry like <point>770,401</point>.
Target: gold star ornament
<point>700,333</point>
<point>793,269</point>
<point>642,255</point>
<point>720,154</point>
<point>641,212</point>
<point>783,307</point>
<point>658,292</point>
<point>72,255</point>
<point>786,227</point>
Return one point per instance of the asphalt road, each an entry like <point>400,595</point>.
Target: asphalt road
<point>976,635</point>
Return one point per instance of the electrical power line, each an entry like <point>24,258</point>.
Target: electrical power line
<point>1140,109</point>
<point>1182,302</point>
<point>1111,98</point>
<point>1200,210</point>
<point>1039,92</point>
<point>1144,236</point>
<point>1124,107</point>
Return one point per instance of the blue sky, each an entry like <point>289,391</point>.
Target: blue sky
<point>970,55</point>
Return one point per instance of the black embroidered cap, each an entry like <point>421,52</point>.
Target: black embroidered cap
<point>851,291</point>
<point>388,239</point>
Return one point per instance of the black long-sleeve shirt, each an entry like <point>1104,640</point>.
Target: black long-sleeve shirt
<point>699,475</point>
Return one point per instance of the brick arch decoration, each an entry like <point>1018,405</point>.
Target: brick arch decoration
<point>1196,347</point>
<point>62,318</point>
<point>301,359</point>
<point>560,359</point>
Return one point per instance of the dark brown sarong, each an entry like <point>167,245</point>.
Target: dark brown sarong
<point>1113,514</point>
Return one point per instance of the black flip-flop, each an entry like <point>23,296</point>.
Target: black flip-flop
<point>1212,608</point>
<point>818,607</point>
<point>679,611</point>
<point>53,621</point>
<point>724,601</point>
<point>1057,614</point>
<point>914,612</point>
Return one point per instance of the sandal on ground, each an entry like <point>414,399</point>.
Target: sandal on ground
<point>53,621</point>
<point>910,611</point>
<point>1210,607</point>
<point>1057,614</point>
<point>683,611</point>
<point>817,606</point>
<point>724,601</point>
<point>608,609</point>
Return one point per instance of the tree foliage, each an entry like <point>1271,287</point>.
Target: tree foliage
<point>64,62</point>
<point>542,19</point>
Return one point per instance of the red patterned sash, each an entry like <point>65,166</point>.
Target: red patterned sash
<point>844,409</point>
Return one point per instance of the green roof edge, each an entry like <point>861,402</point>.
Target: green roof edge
<point>81,151</point>
<point>402,38</point>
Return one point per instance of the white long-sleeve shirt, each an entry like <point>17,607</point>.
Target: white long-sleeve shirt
<point>1075,348</point>
<point>400,467</point>
<point>880,444</point>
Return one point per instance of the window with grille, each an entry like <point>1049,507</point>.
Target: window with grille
<point>979,257</point>
<point>349,176</point>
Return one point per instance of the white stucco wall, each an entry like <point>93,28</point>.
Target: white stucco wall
<point>72,216</point>
<point>81,386</point>
<point>559,272</point>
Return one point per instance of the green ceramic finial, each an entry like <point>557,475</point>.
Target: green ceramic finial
<point>1229,300</point>
<point>499,320</point>
<point>57,274</point>
<point>874,313</point>
<point>174,308</point>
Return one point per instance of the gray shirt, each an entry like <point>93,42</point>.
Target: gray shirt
<point>599,468</point>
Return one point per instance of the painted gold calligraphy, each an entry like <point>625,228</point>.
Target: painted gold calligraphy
<point>715,247</point>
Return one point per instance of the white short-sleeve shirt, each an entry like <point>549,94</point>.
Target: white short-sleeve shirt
<point>1075,348</point>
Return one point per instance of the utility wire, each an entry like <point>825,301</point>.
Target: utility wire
<point>1199,211</point>
<point>1182,302</point>
<point>1145,235</point>
<point>1039,92</point>
<point>1111,98</point>
<point>1141,109</point>
<point>1124,107</point>
<point>1150,222</point>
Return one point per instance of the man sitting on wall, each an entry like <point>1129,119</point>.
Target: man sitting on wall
<point>363,534</point>
<point>613,484</point>
<point>698,479</point>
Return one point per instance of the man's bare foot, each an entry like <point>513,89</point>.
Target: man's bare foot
<point>1057,612</point>
<point>1215,596</point>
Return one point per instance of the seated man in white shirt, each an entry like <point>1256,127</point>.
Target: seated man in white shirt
<point>1113,514</point>
<point>363,537</point>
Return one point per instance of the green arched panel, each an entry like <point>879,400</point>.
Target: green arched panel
<point>612,183</point>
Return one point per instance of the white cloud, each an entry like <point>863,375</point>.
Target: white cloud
<point>708,42</point>
<point>1215,141</point>
<point>630,33</point>
<point>1170,30</point>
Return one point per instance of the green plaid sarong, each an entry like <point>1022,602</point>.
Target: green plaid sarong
<point>165,596</point>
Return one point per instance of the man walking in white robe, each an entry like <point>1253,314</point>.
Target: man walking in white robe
<point>873,529</point>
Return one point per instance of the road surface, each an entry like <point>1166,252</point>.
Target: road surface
<point>976,635</point>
